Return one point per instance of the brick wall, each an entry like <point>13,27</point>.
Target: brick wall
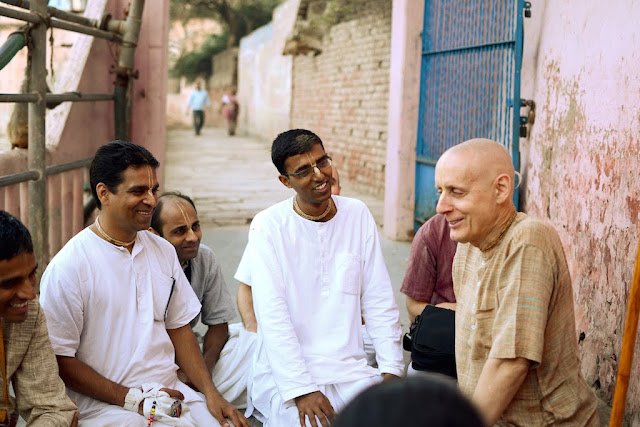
<point>342,93</point>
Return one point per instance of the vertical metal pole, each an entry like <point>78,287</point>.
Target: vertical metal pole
<point>37,149</point>
<point>515,105</point>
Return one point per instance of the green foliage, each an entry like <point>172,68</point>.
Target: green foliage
<point>335,11</point>
<point>197,63</point>
<point>237,18</point>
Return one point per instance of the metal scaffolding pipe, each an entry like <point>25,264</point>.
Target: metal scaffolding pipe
<point>77,28</point>
<point>11,47</point>
<point>78,97</point>
<point>37,148</point>
<point>130,36</point>
<point>63,25</point>
<point>56,98</point>
<point>57,13</point>
<point>130,30</point>
<point>18,97</point>
<point>18,14</point>
<point>17,178</point>
<point>66,167</point>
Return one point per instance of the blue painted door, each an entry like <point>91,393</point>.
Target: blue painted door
<point>470,77</point>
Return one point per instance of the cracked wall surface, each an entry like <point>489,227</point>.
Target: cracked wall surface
<point>580,166</point>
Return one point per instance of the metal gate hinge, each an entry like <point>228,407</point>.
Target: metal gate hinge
<point>529,119</point>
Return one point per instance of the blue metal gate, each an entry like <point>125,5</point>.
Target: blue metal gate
<point>469,83</point>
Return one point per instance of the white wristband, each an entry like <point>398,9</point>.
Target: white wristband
<point>132,399</point>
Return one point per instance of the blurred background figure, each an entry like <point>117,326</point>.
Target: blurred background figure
<point>230,111</point>
<point>198,101</point>
<point>422,400</point>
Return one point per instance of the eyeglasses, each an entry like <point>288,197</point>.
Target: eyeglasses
<point>323,163</point>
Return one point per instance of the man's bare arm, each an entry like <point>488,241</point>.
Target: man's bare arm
<point>499,381</point>
<point>245,307</point>
<point>414,308</point>
<point>447,305</point>
<point>214,340</point>
<point>80,377</point>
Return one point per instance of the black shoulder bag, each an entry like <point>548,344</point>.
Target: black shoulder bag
<point>431,341</point>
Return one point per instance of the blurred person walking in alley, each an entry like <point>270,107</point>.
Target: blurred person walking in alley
<point>230,111</point>
<point>198,101</point>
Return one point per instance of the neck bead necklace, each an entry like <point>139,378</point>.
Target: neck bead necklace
<point>298,210</point>
<point>111,239</point>
<point>502,233</point>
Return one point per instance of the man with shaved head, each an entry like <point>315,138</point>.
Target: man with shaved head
<point>516,349</point>
<point>227,349</point>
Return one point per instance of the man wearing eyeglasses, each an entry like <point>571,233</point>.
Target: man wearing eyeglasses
<point>316,269</point>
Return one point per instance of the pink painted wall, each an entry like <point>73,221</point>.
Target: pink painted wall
<point>580,164</point>
<point>404,97</point>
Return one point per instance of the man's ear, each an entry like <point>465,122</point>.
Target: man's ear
<point>153,230</point>
<point>503,187</point>
<point>103,193</point>
<point>285,181</point>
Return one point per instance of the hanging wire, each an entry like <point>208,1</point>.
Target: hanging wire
<point>51,70</point>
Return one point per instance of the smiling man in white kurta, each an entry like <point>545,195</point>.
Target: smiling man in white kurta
<point>118,307</point>
<point>317,270</point>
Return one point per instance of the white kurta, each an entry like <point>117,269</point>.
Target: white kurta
<point>110,309</point>
<point>312,282</point>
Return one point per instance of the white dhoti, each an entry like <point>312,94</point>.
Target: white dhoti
<point>232,372</point>
<point>115,416</point>
<point>285,414</point>
<point>267,406</point>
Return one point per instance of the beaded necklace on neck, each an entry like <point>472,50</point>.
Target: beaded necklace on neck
<point>298,210</point>
<point>111,239</point>
<point>504,230</point>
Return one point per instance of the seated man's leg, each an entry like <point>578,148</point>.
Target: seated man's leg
<point>233,370</point>
<point>113,416</point>
<point>286,413</point>
<point>200,416</point>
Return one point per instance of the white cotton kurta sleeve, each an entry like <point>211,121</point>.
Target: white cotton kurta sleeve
<point>379,309</point>
<point>281,343</point>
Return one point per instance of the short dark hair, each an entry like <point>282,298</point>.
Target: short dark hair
<point>112,159</point>
<point>421,400</point>
<point>15,239</point>
<point>156,221</point>
<point>292,143</point>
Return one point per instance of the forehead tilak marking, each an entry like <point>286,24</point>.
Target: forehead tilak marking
<point>184,215</point>
<point>312,164</point>
<point>150,191</point>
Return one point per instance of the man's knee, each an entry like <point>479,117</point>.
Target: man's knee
<point>114,417</point>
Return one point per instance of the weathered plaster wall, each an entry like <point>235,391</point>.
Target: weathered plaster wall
<point>580,164</point>
<point>342,94</point>
<point>264,76</point>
